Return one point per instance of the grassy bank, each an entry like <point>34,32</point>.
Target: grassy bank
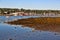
<point>46,24</point>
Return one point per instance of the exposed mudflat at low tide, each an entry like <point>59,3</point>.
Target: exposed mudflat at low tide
<point>29,28</point>
<point>41,23</point>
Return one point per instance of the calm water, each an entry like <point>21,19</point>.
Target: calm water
<point>17,32</point>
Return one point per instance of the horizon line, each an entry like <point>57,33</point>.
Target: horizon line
<point>28,8</point>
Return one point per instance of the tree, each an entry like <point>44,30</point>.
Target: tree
<point>22,10</point>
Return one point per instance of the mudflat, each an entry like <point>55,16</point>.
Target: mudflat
<point>40,23</point>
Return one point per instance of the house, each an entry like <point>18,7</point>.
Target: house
<point>14,14</point>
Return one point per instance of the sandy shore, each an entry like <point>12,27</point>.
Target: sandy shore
<point>45,24</point>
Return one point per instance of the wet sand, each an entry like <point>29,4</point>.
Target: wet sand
<point>42,23</point>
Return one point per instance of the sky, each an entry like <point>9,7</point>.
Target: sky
<point>31,4</point>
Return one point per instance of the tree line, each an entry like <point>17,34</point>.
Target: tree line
<point>11,10</point>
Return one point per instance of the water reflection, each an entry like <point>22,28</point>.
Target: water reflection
<point>19,32</point>
<point>12,18</point>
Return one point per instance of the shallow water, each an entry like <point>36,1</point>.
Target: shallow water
<point>17,32</point>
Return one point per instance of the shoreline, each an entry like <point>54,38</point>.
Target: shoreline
<point>40,23</point>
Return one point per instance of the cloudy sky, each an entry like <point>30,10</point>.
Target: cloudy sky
<point>31,4</point>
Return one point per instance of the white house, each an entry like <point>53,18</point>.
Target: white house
<point>14,14</point>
